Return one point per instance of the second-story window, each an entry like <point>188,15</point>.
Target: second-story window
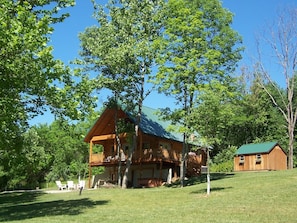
<point>145,145</point>
<point>165,145</point>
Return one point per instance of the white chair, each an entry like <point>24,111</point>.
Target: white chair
<point>60,185</point>
<point>81,184</point>
<point>70,185</point>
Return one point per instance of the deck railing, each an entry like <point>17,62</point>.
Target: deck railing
<point>146,155</point>
<point>97,158</point>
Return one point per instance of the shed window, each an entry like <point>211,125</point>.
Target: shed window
<point>258,158</point>
<point>241,160</point>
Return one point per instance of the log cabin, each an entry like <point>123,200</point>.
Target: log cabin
<point>260,156</point>
<point>156,159</point>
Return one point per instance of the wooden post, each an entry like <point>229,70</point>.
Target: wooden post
<point>160,173</point>
<point>208,175</point>
<point>175,171</point>
<point>90,159</point>
<point>140,146</point>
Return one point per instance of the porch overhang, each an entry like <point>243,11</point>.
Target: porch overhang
<point>106,137</point>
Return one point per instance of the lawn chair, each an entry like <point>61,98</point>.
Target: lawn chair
<point>60,185</point>
<point>70,185</point>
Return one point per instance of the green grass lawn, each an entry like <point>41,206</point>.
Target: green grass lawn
<point>235,197</point>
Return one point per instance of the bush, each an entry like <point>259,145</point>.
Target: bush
<point>222,167</point>
<point>223,161</point>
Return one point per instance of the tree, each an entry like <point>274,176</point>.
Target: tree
<point>236,117</point>
<point>198,45</point>
<point>67,153</point>
<point>280,39</point>
<point>264,121</point>
<point>219,114</point>
<point>31,80</point>
<point>121,50</point>
<point>30,164</point>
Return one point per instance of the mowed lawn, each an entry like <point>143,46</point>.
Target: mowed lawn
<point>235,197</point>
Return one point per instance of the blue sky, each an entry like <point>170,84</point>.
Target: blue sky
<point>250,16</point>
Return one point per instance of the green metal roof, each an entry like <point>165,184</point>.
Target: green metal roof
<point>265,147</point>
<point>151,123</point>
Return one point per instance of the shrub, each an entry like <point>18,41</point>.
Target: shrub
<point>223,161</point>
<point>226,166</point>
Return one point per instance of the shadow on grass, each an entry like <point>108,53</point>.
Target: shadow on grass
<point>14,198</point>
<point>15,207</point>
<point>204,190</point>
<point>202,179</point>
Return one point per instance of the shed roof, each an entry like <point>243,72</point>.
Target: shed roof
<point>255,148</point>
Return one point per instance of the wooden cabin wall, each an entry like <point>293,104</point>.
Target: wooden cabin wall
<point>154,142</point>
<point>250,163</point>
<point>110,148</point>
<point>236,165</point>
<point>150,173</point>
<point>277,159</point>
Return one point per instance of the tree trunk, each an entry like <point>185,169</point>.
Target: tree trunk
<point>135,136</point>
<point>291,145</point>
<point>129,160</point>
<point>127,170</point>
<point>120,161</point>
<point>183,163</point>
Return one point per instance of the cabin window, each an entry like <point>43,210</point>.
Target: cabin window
<point>258,158</point>
<point>145,146</point>
<point>164,146</point>
<point>241,160</point>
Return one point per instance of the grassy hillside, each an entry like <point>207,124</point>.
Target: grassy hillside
<point>239,197</point>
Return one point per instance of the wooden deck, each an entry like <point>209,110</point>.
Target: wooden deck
<point>145,156</point>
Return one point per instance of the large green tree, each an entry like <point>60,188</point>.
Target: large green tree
<point>31,79</point>
<point>218,114</point>
<point>26,63</point>
<point>121,52</point>
<point>198,45</point>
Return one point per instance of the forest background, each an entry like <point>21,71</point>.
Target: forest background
<point>228,111</point>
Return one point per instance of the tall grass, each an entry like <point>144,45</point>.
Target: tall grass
<point>240,197</point>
